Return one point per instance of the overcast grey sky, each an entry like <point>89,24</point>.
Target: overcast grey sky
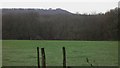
<point>81,6</point>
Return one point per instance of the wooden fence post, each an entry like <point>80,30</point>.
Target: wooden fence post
<point>38,60</point>
<point>43,58</point>
<point>64,57</point>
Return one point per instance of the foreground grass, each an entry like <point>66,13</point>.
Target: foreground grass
<point>23,52</point>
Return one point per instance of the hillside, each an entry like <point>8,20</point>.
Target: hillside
<point>59,24</point>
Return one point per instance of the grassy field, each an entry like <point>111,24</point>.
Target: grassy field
<point>23,52</point>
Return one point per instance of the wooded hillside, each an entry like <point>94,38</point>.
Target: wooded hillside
<point>58,25</point>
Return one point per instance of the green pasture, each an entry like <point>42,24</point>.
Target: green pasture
<point>24,53</point>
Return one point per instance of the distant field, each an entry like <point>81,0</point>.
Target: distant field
<point>23,52</point>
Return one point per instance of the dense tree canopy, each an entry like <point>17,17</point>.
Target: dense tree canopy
<point>31,24</point>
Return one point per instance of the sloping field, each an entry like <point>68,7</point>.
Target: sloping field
<point>23,52</point>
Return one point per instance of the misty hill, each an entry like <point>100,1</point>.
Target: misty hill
<point>32,24</point>
<point>40,11</point>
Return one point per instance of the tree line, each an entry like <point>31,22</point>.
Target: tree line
<point>35,26</point>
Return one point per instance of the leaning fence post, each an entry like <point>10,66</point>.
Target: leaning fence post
<point>43,58</point>
<point>64,57</point>
<point>38,57</point>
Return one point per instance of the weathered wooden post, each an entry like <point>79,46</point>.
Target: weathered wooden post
<point>38,60</point>
<point>64,57</point>
<point>43,58</point>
